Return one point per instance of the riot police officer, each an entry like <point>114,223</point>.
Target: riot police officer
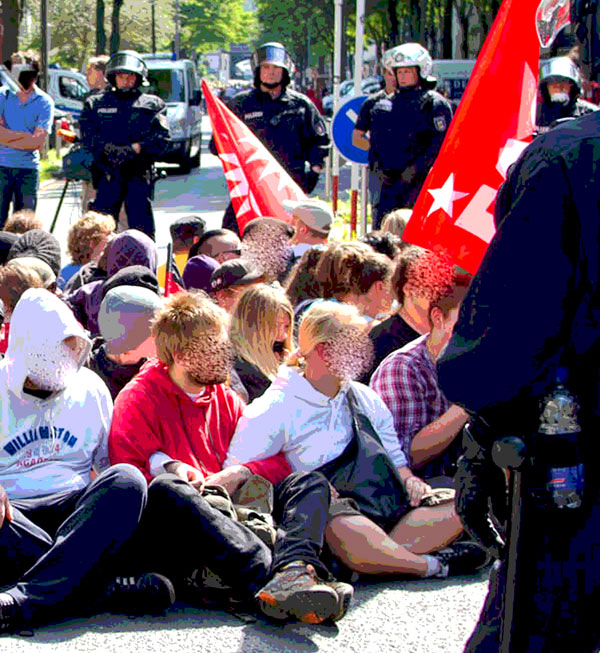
<point>126,130</point>
<point>560,88</point>
<point>405,131</point>
<point>286,121</point>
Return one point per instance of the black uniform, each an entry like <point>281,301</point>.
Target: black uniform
<point>534,304</point>
<point>114,118</point>
<point>292,130</point>
<point>549,112</point>
<point>406,133</point>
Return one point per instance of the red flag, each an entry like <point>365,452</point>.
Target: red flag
<point>173,280</point>
<point>494,123</point>
<point>257,183</point>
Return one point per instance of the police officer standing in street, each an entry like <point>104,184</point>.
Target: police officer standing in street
<point>126,130</point>
<point>405,131</point>
<point>287,122</point>
<point>560,88</point>
<point>534,308</point>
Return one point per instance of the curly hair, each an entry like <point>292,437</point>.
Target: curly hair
<point>88,232</point>
<point>22,221</point>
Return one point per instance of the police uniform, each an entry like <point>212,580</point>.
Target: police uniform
<point>533,305</point>
<point>549,112</point>
<point>120,118</point>
<point>406,133</point>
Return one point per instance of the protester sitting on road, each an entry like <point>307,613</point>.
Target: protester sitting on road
<point>395,222</point>
<point>133,275</point>
<point>22,221</point>
<point>198,271</point>
<point>306,415</point>
<point>39,244</point>
<point>382,242</point>
<point>418,278</point>
<point>267,243</point>
<point>428,426</point>
<point>233,278</point>
<point>125,341</point>
<point>185,232</point>
<point>86,241</point>
<point>130,247</point>
<point>301,284</point>
<point>178,416</point>
<point>220,244</point>
<point>261,335</point>
<point>61,531</point>
<point>312,220</point>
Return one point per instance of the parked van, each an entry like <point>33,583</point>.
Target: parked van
<point>452,76</point>
<point>67,88</point>
<point>177,83</point>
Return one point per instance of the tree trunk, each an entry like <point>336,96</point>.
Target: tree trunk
<point>115,30</point>
<point>394,25</point>
<point>10,19</point>
<point>423,22</point>
<point>100,31</point>
<point>447,38</point>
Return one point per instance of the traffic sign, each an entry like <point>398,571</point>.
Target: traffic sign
<point>342,127</point>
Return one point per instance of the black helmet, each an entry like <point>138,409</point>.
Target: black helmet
<point>273,53</point>
<point>127,61</point>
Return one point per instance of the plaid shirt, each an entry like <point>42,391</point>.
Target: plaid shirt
<point>407,382</point>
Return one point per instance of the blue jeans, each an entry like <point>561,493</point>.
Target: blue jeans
<point>19,185</point>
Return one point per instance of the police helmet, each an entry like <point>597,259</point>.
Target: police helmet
<point>410,54</point>
<point>560,69</point>
<point>127,61</point>
<point>273,53</point>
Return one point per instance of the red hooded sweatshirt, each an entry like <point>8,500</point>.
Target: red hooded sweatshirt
<point>154,414</point>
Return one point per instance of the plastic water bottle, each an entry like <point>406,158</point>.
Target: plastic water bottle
<point>558,445</point>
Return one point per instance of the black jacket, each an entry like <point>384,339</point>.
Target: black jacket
<point>115,376</point>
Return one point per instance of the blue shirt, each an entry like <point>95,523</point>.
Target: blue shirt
<point>36,111</point>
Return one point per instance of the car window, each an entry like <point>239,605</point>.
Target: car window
<point>7,80</point>
<point>71,88</point>
<point>167,83</point>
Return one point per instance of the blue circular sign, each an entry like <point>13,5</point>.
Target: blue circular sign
<point>344,123</point>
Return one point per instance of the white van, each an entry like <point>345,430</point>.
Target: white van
<point>67,88</point>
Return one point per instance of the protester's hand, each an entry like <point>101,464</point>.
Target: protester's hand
<point>186,472</point>
<point>5,507</point>
<point>416,488</point>
<point>231,478</point>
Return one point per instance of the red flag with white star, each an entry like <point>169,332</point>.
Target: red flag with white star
<point>494,123</point>
<point>257,182</point>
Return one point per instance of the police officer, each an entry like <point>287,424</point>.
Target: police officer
<point>126,130</point>
<point>286,121</point>
<point>406,131</point>
<point>560,88</point>
<point>519,322</point>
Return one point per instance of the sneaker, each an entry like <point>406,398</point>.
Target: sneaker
<point>462,558</point>
<point>11,615</point>
<point>297,591</point>
<point>345,593</point>
<point>138,595</point>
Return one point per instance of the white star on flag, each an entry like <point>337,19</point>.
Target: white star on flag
<point>444,197</point>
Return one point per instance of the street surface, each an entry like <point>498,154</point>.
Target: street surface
<point>434,616</point>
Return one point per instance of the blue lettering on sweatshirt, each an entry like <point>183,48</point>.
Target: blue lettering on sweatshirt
<point>40,433</point>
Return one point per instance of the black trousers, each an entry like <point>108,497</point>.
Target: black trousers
<point>181,532</point>
<point>135,191</point>
<point>392,196</point>
<point>59,547</point>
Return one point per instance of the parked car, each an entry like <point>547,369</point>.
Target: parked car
<point>369,85</point>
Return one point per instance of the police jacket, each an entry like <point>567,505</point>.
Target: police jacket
<point>111,117</point>
<point>290,126</point>
<point>406,130</point>
<point>549,112</point>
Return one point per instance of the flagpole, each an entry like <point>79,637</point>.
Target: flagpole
<point>337,70</point>
<point>358,64</point>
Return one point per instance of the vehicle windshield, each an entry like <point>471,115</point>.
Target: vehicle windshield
<point>167,83</point>
<point>7,80</point>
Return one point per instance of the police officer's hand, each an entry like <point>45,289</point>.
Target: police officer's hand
<point>408,174</point>
<point>117,155</point>
<point>310,181</point>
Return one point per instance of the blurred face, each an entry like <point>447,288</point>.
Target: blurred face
<point>390,80</point>
<point>349,353</point>
<point>407,76</point>
<point>208,358</point>
<point>270,73</point>
<point>224,248</point>
<point>125,81</point>
<point>95,77</point>
<point>560,89</point>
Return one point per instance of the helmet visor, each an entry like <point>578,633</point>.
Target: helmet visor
<point>126,63</point>
<point>273,54</point>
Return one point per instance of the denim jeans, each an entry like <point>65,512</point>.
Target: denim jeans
<point>19,185</point>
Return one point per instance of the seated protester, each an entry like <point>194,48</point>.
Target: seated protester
<point>395,222</point>
<point>95,270</point>
<point>418,278</point>
<point>382,242</point>
<point>61,531</point>
<point>125,341</point>
<point>267,244</point>
<point>306,415</point>
<point>130,247</point>
<point>185,232</point>
<point>198,272</point>
<point>134,275</point>
<point>231,279</point>
<point>301,284</point>
<point>178,416</point>
<point>39,244</point>
<point>86,241</point>
<point>220,244</point>
<point>22,221</point>
<point>428,426</point>
<point>312,220</point>
<point>261,335</point>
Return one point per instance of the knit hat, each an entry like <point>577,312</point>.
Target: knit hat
<point>39,244</point>
<point>235,272</point>
<point>125,317</point>
<point>198,271</point>
<point>37,265</point>
<point>315,214</point>
<point>134,275</point>
<point>7,240</point>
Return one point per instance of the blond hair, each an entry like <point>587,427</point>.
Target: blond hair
<point>253,326</point>
<point>324,321</point>
<point>22,221</point>
<point>88,232</point>
<point>395,221</point>
<point>14,281</point>
<point>183,318</point>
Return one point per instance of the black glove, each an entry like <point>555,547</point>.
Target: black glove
<point>117,155</point>
<point>481,495</point>
<point>310,181</point>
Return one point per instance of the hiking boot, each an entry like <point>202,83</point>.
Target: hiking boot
<point>138,595</point>
<point>345,593</point>
<point>462,558</point>
<point>297,591</point>
<point>11,615</point>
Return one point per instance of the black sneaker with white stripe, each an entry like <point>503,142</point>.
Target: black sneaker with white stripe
<point>150,593</point>
<point>11,615</point>
<point>461,558</point>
